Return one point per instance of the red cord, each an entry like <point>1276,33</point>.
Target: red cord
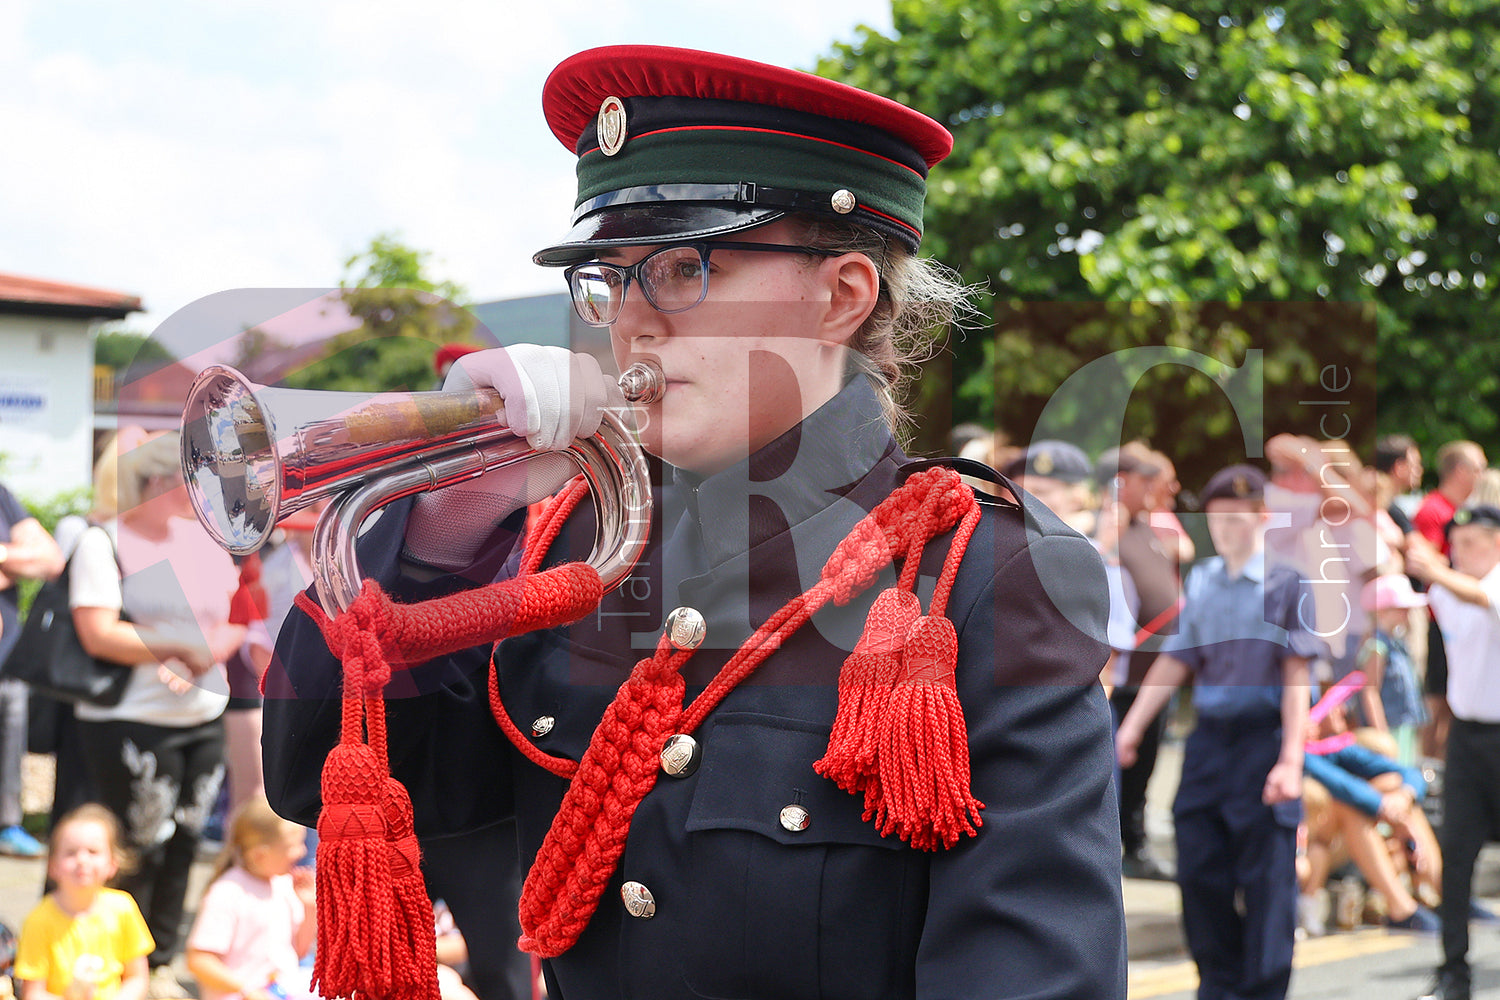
<point>582,849</point>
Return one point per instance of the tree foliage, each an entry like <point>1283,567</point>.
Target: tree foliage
<point>118,349</point>
<point>1241,167</point>
<point>49,509</point>
<point>404,315</point>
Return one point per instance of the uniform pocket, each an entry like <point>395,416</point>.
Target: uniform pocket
<point>794,895</point>
<point>759,768</point>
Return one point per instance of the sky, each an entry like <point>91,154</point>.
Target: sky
<point>173,149</point>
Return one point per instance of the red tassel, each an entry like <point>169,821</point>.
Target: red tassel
<point>583,847</point>
<point>865,682</point>
<point>413,938</point>
<point>249,603</point>
<point>355,904</point>
<point>924,746</point>
<point>375,928</point>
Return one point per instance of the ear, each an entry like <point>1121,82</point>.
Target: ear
<point>854,285</point>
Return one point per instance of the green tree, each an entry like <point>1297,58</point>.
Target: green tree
<point>404,317</point>
<point>49,510</point>
<point>118,349</point>
<point>1226,163</point>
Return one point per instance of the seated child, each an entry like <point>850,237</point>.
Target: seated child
<point>84,941</point>
<point>1412,844</point>
<point>258,917</point>
<point>1364,789</point>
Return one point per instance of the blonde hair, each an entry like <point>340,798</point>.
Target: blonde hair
<point>121,474</point>
<point>93,812</point>
<point>1486,489</point>
<point>107,481</point>
<point>252,824</point>
<point>919,299</point>
<point>1377,741</point>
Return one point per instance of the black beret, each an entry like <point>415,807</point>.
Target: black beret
<point>1237,482</point>
<point>1053,459</point>
<point>1481,514</point>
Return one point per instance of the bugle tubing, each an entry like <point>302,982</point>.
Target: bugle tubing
<point>253,455</point>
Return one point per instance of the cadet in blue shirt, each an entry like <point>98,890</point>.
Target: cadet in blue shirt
<point>1245,645</point>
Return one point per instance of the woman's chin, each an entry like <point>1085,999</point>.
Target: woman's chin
<point>696,456</point>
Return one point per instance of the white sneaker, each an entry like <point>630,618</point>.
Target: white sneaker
<point>163,985</point>
<point>1312,913</point>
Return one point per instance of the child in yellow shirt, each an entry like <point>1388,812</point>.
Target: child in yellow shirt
<point>84,941</point>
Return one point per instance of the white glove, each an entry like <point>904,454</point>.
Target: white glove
<point>552,396</point>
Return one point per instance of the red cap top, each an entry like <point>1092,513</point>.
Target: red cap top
<point>576,88</point>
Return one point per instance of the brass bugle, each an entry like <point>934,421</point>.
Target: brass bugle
<point>254,455</point>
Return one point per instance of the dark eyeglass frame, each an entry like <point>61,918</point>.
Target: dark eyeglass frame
<point>634,272</point>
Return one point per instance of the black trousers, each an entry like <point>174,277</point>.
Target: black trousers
<point>478,875</point>
<point>1435,678</point>
<point>1471,816</point>
<point>1134,779</point>
<point>73,786</point>
<point>1236,862</point>
<point>162,783</point>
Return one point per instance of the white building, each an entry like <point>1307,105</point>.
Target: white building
<point>47,380</point>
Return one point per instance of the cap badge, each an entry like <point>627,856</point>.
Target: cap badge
<point>1241,486</point>
<point>611,126</point>
<point>843,201</point>
<point>1043,463</point>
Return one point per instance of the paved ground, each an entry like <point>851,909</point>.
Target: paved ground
<point>1153,909</point>
<point>21,879</point>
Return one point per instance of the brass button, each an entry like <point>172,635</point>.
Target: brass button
<point>686,629</point>
<point>794,819</point>
<point>543,725</point>
<point>638,900</point>
<point>679,756</point>
<point>843,201</point>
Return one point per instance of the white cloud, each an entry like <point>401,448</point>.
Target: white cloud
<point>174,150</point>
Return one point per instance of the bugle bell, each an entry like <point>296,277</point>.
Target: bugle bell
<point>253,455</point>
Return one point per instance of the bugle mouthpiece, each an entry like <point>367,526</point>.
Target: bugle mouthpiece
<point>643,382</point>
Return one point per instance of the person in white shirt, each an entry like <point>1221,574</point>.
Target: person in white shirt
<point>1465,598</point>
<point>149,588</point>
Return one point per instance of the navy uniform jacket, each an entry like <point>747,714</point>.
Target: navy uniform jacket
<point>745,908</point>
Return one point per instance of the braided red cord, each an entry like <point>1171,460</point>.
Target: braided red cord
<point>955,556</point>
<point>761,644</point>
<point>545,530</point>
<point>401,635</point>
<point>913,555</point>
<point>582,848</point>
<point>563,767</point>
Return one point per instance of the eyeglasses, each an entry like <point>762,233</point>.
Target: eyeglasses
<point>674,279</point>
